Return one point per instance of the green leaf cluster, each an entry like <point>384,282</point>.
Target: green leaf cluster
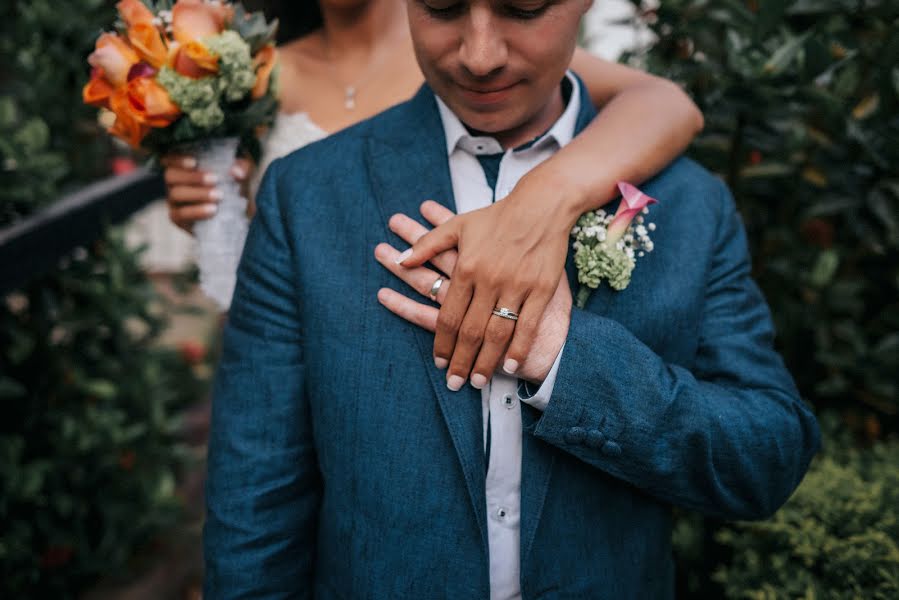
<point>90,426</point>
<point>802,120</point>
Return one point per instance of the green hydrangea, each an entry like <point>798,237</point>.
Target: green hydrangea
<point>599,262</point>
<point>236,75</point>
<point>197,98</point>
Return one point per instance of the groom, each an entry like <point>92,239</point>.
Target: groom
<point>341,465</point>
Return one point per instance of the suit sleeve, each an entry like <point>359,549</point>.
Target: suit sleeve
<point>728,437</point>
<point>263,487</point>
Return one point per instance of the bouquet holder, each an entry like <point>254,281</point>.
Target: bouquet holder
<point>220,239</point>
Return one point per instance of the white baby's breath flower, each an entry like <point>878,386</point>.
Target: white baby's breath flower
<point>640,231</point>
<point>652,226</point>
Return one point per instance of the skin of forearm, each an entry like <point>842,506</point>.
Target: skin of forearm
<point>638,131</point>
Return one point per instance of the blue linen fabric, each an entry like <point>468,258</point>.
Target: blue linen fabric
<point>340,466</point>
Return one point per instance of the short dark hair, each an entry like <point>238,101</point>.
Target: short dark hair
<point>296,18</point>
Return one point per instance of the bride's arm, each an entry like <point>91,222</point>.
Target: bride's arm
<point>513,252</point>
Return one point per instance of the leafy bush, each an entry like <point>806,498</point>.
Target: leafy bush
<point>837,537</point>
<point>89,402</point>
<point>89,427</point>
<point>800,100</point>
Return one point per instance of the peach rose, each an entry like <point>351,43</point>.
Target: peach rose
<point>134,12</point>
<point>194,60</point>
<point>196,19</point>
<point>148,42</point>
<point>126,125</point>
<point>96,92</point>
<point>115,57</point>
<point>149,103</point>
<point>264,61</point>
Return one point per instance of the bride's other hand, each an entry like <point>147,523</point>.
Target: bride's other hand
<point>192,194</point>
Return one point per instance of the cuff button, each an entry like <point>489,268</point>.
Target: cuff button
<point>611,449</point>
<point>595,438</point>
<point>575,435</point>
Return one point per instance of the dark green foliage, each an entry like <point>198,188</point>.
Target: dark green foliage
<point>801,100</point>
<point>89,430</point>
<point>89,401</point>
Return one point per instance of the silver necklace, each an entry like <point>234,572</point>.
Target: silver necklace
<point>351,90</point>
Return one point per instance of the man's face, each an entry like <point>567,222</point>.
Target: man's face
<point>497,64</point>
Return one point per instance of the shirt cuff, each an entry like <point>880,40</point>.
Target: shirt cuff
<point>540,398</point>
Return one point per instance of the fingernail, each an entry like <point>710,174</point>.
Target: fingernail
<point>189,163</point>
<point>399,259</point>
<point>210,179</point>
<point>455,383</point>
<point>238,171</point>
<point>210,210</point>
<point>478,381</point>
<point>510,366</point>
<point>215,194</point>
<point>440,363</point>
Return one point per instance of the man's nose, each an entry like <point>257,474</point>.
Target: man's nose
<point>483,50</point>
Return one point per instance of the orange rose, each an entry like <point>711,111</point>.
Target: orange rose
<point>196,19</point>
<point>134,12</point>
<point>149,103</point>
<point>264,61</point>
<point>147,41</point>
<point>194,60</point>
<point>126,125</point>
<point>97,91</point>
<point>115,57</point>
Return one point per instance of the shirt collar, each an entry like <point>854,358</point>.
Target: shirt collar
<point>562,131</point>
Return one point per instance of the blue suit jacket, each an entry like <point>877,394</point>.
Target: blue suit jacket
<point>340,466</point>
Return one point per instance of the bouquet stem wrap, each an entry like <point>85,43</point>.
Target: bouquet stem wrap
<point>220,239</point>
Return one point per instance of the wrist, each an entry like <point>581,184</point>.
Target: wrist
<point>559,200</point>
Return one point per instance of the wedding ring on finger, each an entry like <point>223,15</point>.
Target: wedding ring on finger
<point>435,289</point>
<point>505,313</point>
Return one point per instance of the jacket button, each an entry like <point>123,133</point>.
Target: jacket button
<point>595,438</point>
<point>612,449</point>
<point>575,435</point>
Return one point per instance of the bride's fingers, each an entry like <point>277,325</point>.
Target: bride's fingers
<point>411,231</point>
<point>420,279</point>
<point>414,312</point>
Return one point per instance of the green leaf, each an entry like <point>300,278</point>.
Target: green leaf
<point>785,55</point>
<point>825,268</point>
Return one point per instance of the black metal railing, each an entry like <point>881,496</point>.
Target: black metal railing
<point>34,245</point>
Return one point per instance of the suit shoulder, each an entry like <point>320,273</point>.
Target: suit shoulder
<point>692,189</point>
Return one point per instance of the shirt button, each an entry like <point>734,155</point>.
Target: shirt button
<point>479,148</point>
<point>501,513</point>
<point>575,435</point>
<point>509,401</point>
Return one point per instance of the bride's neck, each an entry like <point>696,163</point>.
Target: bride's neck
<point>358,29</point>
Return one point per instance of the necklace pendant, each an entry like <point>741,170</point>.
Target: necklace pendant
<point>349,101</point>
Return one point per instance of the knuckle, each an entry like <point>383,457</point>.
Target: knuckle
<point>464,270</point>
<point>495,334</point>
<point>471,334</point>
<point>447,321</point>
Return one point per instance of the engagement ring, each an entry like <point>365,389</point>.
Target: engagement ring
<point>505,313</point>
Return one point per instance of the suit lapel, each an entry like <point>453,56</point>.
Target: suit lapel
<point>407,164</point>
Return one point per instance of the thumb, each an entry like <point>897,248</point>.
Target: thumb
<point>444,237</point>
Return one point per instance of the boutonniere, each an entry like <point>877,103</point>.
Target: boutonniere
<point>606,247</point>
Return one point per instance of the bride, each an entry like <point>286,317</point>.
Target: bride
<point>342,61</point>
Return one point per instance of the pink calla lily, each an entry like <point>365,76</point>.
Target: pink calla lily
<point>632,202</point>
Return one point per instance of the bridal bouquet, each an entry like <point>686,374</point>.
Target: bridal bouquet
<point>196,77</point>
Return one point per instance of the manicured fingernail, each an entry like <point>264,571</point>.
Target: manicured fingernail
<point>238,172</point>
<point>478,381</point>
<point>210,179</point>
<point>189,163</point>
<point>403,256</point>
<point>215,194</point>
<point>210,209</point>
<point>510,366</point>
<point>455,383</point>
<point>440,363</point>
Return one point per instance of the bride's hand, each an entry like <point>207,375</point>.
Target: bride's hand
<point>511,255</point>
<point>192,194</point>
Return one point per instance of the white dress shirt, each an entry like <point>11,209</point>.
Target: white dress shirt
<point>500,398</point>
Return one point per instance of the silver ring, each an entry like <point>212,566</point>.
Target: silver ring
<point>505,313</point>
<point>435,289</point>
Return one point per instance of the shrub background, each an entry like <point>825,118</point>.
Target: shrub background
<point>800,100</point>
